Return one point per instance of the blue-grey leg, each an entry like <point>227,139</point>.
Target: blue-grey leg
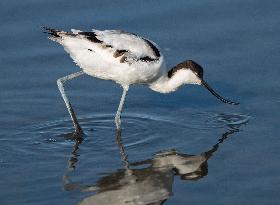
<point>118,115</point>
<point>124,156</point>
<point>60,82</point>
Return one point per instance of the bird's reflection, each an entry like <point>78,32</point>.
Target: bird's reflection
<point>144,182</point>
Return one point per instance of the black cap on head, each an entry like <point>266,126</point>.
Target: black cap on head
<point>188,64</point>
<point>195,67</point>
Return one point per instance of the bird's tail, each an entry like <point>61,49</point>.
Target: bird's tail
<point>52,31</point>
<point>54,34</point>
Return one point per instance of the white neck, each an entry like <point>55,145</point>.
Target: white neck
<point>166,85</point>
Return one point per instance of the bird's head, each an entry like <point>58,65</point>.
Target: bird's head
<point>192,73</point>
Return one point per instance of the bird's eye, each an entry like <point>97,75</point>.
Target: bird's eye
<point>199,74</point>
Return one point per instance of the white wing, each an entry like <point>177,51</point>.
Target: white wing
<point>112,54</point>
<point>131,45</point>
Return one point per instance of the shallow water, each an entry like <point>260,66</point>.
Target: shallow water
<point>185,147</point>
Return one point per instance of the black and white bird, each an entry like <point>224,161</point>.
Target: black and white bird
<point>127,59</point>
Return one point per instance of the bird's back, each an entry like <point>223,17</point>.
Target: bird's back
<point>112,54</point>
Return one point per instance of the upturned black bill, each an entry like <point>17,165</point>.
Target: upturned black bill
<point>204,84</point>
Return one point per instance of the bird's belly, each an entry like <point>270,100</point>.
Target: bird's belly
<point>122,73</point>
<point>101,63</point>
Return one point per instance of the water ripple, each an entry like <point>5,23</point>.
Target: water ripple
<point>138,130</point>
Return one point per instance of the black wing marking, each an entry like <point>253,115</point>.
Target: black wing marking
<point>91,36</point>
<point>153,47</point>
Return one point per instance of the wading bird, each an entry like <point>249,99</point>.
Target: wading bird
<point>127,59</point>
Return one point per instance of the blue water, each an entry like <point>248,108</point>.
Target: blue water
<point>182,148</point>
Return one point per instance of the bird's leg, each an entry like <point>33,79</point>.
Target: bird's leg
<point>118,115</point>
<point>124,156</point>
<point>60,82</point>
